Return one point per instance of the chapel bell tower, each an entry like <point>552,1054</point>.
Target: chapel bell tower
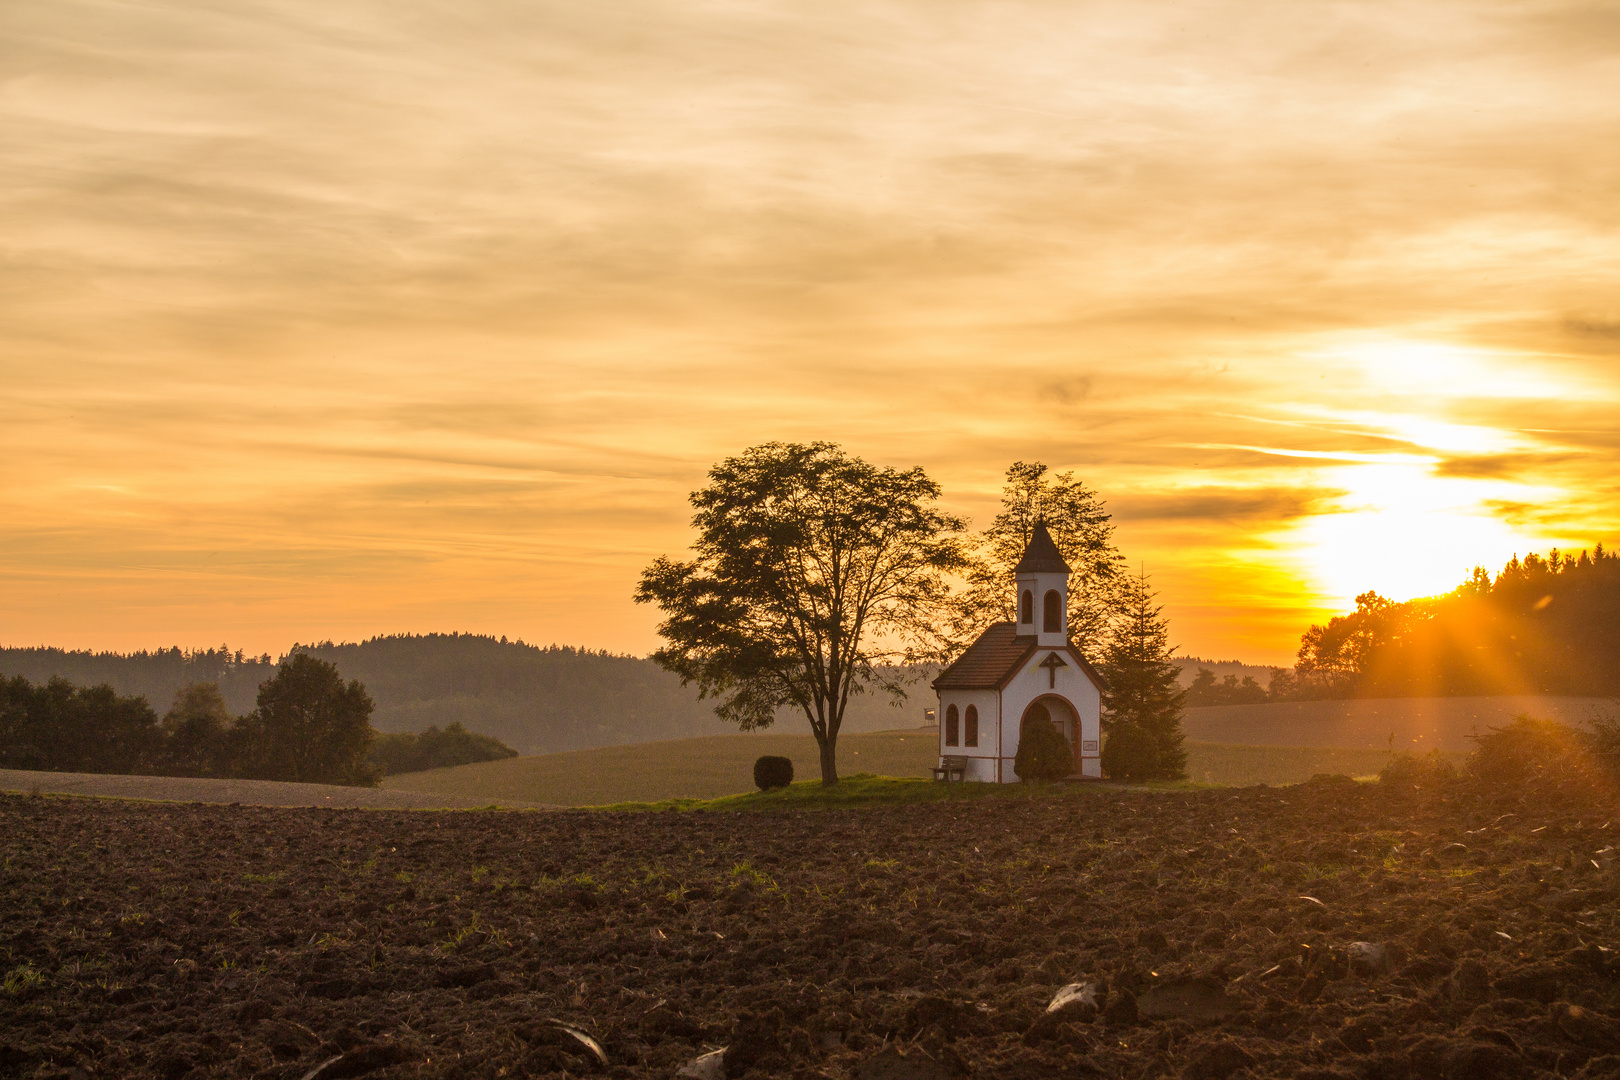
<point>1042,580</point>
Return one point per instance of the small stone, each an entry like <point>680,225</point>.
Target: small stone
<point>710,1066</point>
<point>582,1040</point>
<point>1080,997</point>
<point>1367,958</point>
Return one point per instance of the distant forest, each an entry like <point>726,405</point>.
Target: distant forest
<point>535,699</point>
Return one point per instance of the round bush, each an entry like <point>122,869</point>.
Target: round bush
<point>771,771</point>
<point>1130,754</point>
<point>1043,752</point>
<point>1528,753</point>
<point>1408,770</point>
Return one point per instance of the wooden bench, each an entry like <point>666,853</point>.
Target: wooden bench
<point>951,768</point>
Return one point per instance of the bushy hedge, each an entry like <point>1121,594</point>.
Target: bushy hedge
<point>1043,752</point>
<point>1130,754</point>
<point>1527,758</point>
<point>1416,771</point>
<point>771,771</point>
<point>1531,753</point>
<point>435,749</point>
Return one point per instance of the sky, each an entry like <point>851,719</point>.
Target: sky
<point>320,321</point>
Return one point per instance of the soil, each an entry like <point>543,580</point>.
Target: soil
<point>1324,930</point>
<point>245,792</point>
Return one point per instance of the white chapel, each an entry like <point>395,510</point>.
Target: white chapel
<point>1017,671</point>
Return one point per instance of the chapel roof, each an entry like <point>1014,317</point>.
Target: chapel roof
<point>1042,555</point>
<point>998,654</point>
<point>984,662</point>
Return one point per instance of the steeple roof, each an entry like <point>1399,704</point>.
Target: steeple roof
<point>1041,556</point>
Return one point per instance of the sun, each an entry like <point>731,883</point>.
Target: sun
<point>1403,532</point>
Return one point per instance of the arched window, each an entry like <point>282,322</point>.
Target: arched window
<point>970,726</point>
<point>1026,609</point>
<point>1054,613</point>
<point>950,726</point>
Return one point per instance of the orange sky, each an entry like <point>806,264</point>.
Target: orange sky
<point>329,320</point>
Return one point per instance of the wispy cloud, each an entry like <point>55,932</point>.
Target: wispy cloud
<point>433,315</point>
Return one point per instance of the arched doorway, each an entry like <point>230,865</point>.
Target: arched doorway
<point>1063,717</point>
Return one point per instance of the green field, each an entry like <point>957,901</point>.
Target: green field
<point>717,765</point>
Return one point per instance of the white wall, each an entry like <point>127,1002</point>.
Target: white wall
<point>1072,685</point>
<point>986,701</point>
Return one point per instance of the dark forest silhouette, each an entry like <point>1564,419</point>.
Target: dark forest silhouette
<point>537,699</point>
<point>1541,626</point>
<point>307,725</point>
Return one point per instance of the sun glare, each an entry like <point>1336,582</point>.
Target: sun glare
<point>1404,532</point>
<point>1440,370</point>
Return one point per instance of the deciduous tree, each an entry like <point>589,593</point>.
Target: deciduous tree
<point>1084,535</point>
<point>816,576</point>
<point>197,732</point>
<point>309,727</point>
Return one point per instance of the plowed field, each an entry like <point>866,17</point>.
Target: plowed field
<point>1329,929</point>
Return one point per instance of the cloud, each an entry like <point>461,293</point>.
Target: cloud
<point>1525,466</point>
<point>506,278</point>
<point>1593,326</point>
<point>1266,506</point>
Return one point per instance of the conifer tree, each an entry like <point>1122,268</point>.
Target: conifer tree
<point>1142,689</point>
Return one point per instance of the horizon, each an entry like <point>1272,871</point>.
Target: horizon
<point>328,322</point>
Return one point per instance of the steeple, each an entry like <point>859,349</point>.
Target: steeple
<point>1042,555</point>
<point>1041,579</point>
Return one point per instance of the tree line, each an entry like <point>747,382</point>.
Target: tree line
<point>536,698</point>
<point>308,725</point>
<point>1540,626</point>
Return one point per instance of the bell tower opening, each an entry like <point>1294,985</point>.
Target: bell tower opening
<point>1043,573</point>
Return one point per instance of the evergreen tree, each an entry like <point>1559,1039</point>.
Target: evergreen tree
<point>1142,689</point>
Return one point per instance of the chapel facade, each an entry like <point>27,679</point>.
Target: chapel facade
<point>1017,671</point>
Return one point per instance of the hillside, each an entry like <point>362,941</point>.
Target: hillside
<point>536,700</point>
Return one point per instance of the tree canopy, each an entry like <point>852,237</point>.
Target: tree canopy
<point>1084,535</point>
<point>310,727</point>
<point>60,727</point>
<point>1547,625</point>
<point>815,576</point>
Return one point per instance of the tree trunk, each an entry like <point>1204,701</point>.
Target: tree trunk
<point>829,759</point>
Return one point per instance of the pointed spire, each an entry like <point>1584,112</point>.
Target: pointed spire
<point>1042,555</point>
